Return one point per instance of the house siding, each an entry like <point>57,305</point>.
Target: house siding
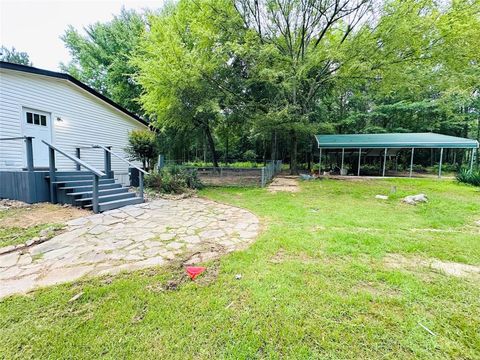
<point>86,120</point>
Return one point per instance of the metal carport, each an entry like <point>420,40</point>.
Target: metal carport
<point>395,141</point>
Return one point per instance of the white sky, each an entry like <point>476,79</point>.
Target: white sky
<point>35,26</point>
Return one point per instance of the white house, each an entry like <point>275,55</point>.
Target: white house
<point>59,109</point>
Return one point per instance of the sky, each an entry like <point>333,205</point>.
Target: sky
<point>35,26</point>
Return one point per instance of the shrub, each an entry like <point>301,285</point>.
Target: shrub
<point>250,155</point>
<point>469,177</point>
<point>173,179</point>
<point>142,146</point>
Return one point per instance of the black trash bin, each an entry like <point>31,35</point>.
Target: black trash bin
<point>134,177</point>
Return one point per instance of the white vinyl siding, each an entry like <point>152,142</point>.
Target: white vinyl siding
<point>78,119</point>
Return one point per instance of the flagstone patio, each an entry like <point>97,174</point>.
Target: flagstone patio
<point>134,237</point>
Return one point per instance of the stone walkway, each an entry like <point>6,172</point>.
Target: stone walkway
<point>134,237</point>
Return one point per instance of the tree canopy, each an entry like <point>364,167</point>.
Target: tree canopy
<point>245,77</point>
<point>13,56</point>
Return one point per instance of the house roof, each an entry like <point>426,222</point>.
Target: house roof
<point>69,78</point>
<point>394,140</point>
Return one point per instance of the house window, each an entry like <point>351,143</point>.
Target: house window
<point>36,119</point>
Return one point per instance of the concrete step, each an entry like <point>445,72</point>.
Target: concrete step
<point>110,205</point>
<point>105,198</point>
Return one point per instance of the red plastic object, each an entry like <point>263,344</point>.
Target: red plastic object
<point>194,271</point>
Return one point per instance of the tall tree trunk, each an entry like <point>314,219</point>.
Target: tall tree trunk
<point>211,145</point>
<point>274,145</point>
<point>293,153</point>
<point>226,150</point>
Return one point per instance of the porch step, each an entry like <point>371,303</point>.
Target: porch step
<point>89,193</point>
<point>106,198</point>
<point>89,187</point>
<point>110,205</point>
<point>83,182</point>
<point>76,188</point>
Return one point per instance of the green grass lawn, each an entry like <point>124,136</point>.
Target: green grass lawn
<point>314,285</point>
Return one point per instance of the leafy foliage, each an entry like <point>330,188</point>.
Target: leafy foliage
<point>101,58</point>
<point>14,56</point>
<point>142,146</point>
<point>469,177</point>
<point>219,78</point>
<point>173,179</point>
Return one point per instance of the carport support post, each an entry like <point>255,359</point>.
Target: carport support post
<point>320,163</point>
<point>384,161</point>
<point>471,160</point>
<point>411,162</point>
<point>343,157</point>
<point>359,160</point>
<point>440,163</point>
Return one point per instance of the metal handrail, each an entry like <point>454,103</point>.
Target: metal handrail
<point>17,138</point>
<point>121,158</point>
<point>76,160</point>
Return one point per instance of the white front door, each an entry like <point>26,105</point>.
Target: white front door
<point>38,124</point>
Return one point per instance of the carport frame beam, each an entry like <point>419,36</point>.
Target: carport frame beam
<point>343,157</point>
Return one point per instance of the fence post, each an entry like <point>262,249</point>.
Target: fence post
<point>51,158</point>
<point>140,185</point>
<point>263,177</point>
<point>95,206</point>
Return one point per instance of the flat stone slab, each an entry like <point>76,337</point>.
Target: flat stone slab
<point>130,238</point>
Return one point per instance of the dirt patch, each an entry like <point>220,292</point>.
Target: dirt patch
<point>397,261</point>
<point>39,214</point>
<point>284,183</point>
<point>374,289</point>
<point>284,256</point>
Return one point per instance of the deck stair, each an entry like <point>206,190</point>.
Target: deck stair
<point>76,188</point>
<point>90,188</point>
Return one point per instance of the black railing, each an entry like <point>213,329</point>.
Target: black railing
<point>95,172</point>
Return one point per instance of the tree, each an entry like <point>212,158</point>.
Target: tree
<point>14,56</point>
<point>296,51</point>
<point>186,67</point>
<point>101,58</point>
<point>142,146</point>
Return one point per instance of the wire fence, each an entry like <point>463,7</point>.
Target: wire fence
<point>237,176</point>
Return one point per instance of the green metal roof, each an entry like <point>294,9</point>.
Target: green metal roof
<point>394,140</point>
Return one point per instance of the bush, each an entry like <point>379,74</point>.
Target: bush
<point>173,179</point>
<point>142,146</point>
<point>249,156</point>
<point>469,177</point>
